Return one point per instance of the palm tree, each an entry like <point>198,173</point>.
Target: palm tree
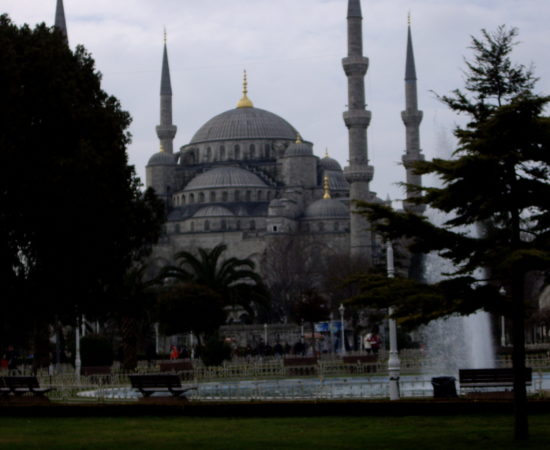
<point>234,279</point>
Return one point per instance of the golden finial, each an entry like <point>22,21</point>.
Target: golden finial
<point>298,139</point>
<point>326,188</point>
<point>165,39</point>
<point>245,101</point>
<point>162,148</point>
<point>409,19</point>
<point>326,153</point>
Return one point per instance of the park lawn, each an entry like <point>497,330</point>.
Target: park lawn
<point>411,432</point>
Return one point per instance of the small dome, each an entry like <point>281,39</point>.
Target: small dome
<point>299,149</point>
<point>326,208</point>
<point>162,159</point>
<point>337,181</point>
<point>224,177</point>
<point>213,211</point>
<point>244,123</point>
<point>327,163</point>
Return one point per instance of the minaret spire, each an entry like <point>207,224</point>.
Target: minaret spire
<point>60,19</point>
<point>166,131</point>
<point>357,119</point>
<point>411,118</point>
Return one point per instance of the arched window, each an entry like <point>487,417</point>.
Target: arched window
<point>206,225</point>
<point>260,196</point>
<point>177,228</point>
<point>224,196</point>
<point>267,150</point>
<point>237,196</point>
<point>212,196</point>
<point>183,200</point>
<point>268,196</point>
<point>191,198</point>
<point>192,226</point>
<point>306,226</point>
<point>201,197</point>
<point>252,225</point>
<point>321,226</point>
<point>248,196</point>
<point>224,224</point>
<point>238,224</point>
<point>237,153</point>
<point>252,151</point>
<point>336,226</point>
<point>208,154</point>
<point>222,153</point>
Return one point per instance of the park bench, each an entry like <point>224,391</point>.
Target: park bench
<point>167,383</point>
<point>300,365</point>
<point>20,385</point>
<point>4,390</point>
<point>97,374</point>
<point>183,368</point>
<point>490,378</point>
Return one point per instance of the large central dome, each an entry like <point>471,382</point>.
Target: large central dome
<point>244,123</point>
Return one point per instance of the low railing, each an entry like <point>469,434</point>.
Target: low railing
<point>272,368</point>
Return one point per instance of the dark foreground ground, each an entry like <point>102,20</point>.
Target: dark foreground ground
<point>427,424</point>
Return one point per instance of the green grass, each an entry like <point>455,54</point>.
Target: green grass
<point>455,432</point>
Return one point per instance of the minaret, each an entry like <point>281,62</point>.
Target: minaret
<point>166,131</point>
<point>411,118</point>
<point>357,119</point>
<point>60,19</point>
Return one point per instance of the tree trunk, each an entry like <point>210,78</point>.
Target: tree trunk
<point>521,425</point>
<point>130,333</point>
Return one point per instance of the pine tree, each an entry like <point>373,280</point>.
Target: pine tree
<point>498,181</point>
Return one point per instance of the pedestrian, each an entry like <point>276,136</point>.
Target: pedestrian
<point>13,360</point>
<point>375,343</point>
<point>174,353</point>
<point>367,343</point>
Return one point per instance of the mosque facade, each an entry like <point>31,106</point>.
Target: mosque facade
<point>248,179</point>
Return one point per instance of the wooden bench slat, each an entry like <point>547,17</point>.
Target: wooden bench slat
<point>501,377</point>
<point>19,385</point>
<point>149,384</point>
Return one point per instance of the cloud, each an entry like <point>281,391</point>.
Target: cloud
<point>292,51</point>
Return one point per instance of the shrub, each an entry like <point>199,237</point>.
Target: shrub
<point>96,351</point>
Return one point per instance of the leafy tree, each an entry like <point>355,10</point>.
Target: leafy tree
<point>497,180</point>
<point>73,219</point>
<point>311,307</point>
<point>131,308</point>
<point>187,306</point>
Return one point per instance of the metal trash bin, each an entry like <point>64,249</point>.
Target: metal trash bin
<point>444,387</point>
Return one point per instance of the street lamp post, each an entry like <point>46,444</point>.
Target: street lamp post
<point>394,364</point>
<point>502,292</point>
<point>342,309</point>
<point>331,333</point>
<point>77,360</point>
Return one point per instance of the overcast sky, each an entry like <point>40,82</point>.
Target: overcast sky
<point>292,50</point>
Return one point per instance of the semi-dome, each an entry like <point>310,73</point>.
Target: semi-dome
<point>213,211</point>
<point>326,208</point>
<point>162,158</point>
<point>244,123</point>
<point>225,177</point>
<point>299,148</point>
<point>328,163</point>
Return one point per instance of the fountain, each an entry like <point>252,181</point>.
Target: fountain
<point>457,341</point>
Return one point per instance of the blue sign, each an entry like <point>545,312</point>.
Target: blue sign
<point>325,327</point>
